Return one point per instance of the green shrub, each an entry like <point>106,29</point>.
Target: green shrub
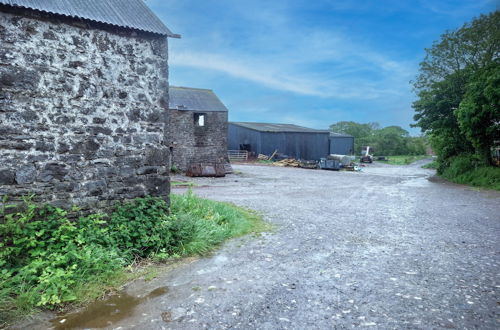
<point>49,256</point>
<point>44,255</point>
<point>486,177</point>
<point>432,165</point>
<point>141,227</point>
<point>470,169</point>
<point>458,165</point>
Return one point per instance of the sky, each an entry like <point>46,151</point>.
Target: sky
<point>309,62</point>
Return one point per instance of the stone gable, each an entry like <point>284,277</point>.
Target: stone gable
<point>83,111</point>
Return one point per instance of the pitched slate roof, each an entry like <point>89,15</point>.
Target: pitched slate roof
<point>130,14</point>
<point>278,128</point>
<point>195,99</point>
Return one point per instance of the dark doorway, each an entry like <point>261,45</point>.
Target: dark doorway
<point>246,147</point>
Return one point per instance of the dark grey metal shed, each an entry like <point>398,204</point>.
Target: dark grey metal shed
<point>291,140</point>
<point>341,144</point>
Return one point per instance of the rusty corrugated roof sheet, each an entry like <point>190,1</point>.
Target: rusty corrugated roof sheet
<point>288,128</point>
<point>130,14</point>
<point>194,99</point>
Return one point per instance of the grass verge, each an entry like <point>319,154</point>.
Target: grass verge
<point>51,262</point>
<point>483,177</point>
<point>264,161</point>
<point>404,160</point>
<point>183,184</point>
<point>431,165</point>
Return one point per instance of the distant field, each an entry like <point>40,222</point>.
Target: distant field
<point>403,160</point>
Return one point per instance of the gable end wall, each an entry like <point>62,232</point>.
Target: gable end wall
<point>191,144</point>
<point>82,112</point>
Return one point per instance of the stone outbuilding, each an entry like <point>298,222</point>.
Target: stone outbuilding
<point>198,122</point>
<point>83,100</point>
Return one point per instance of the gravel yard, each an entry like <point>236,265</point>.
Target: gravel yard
<point>384,248</point>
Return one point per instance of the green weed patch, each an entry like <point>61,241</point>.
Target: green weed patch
<point>50,257</point>
<point>431,165</point>
<point>468,169</point>
<point>404,160</point>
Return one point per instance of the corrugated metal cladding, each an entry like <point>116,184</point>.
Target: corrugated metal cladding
<point>342,144</point>
<point>131,14</point>
<point>267,127</point>
<point>307,144</point>
<point>194,99</point>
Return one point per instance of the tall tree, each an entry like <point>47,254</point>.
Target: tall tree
<point>362,132</point>
<point>479,112</point>
<point>390,140</point>
<point>441,85</point>
<point>473,46</point>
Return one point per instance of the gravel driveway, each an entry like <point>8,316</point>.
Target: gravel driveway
<point>383,248</point>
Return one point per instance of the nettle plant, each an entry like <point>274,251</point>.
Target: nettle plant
<point>44,255</point>
<point>47,253</point>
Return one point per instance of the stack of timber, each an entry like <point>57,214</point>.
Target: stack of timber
<point>287,162</point>
<point>290,162</point>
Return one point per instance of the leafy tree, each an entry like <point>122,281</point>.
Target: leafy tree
<point>435,116</point>
<point>390,141</point>
<point>442,84</point>
<point>362,132</point>
<point>479,112</point>
<point>471,47</point>
<point>416,145</point>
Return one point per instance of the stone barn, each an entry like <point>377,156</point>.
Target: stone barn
<point>83,100</point>
<point>198,121</point>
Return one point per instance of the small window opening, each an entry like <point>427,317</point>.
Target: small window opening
<point>199,119</point>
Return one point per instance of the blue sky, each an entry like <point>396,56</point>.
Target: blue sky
<point>309,62</point>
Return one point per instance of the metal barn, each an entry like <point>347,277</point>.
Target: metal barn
<point>291,140</point>
<point>341,144</point>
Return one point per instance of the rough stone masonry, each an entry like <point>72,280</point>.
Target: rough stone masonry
<point>195,144</point>
<point>83,111</point>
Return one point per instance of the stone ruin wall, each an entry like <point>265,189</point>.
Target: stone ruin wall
<point>82,111</point>
<point>192,144</point>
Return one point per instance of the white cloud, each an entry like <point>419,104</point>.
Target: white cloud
<point>262,43</point>
<point>282,76</point>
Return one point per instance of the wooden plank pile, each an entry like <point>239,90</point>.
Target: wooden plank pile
<point>287,162</point>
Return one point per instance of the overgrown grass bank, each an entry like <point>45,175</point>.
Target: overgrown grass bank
<point>431,165</point>
<point>469,169</point>
<point>404,160</point>
<point>50,257</point>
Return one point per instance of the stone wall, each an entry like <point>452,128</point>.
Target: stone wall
<point>82,111</point>
<point>194,144</point>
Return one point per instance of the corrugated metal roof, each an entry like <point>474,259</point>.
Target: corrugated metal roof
<point>267,127</point>
<point>195,99</point>
<point>131,14</point>
<point>340,135</point>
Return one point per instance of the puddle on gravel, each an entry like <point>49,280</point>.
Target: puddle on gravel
<point>419,182</point>
<point>106,312</point>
